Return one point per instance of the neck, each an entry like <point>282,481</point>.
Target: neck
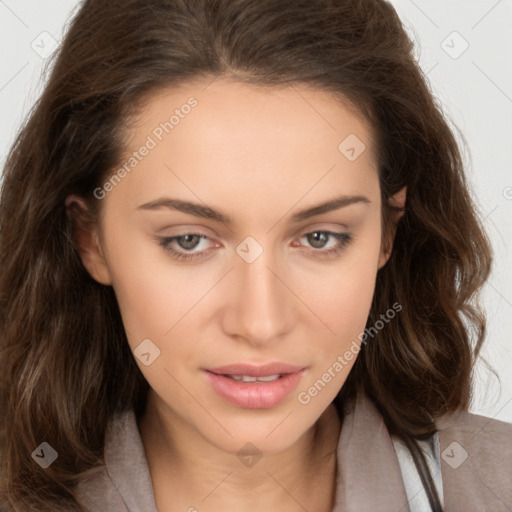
<point>185,466</point>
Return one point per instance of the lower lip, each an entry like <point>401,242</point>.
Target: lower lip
<point>254,395</point>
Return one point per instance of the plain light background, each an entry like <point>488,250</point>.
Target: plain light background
<point>465,49</point>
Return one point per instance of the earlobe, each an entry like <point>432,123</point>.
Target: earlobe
<point>397,202</point>
<point>87,239</point>
<point>384,257</point>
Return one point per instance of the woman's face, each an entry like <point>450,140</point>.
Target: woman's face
<point>271,197</point>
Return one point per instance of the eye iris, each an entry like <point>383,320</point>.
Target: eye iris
<point>313,238</point>
<point>187,244</point>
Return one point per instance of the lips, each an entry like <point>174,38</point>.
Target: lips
<point>254,387</point>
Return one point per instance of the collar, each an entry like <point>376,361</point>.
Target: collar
<point>368,476</point>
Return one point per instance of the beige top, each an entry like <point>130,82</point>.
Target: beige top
<point>472,455</point>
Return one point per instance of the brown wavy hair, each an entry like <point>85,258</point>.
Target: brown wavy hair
<point>66,363</point>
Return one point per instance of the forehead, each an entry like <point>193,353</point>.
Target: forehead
<point>227,109</point>
<point>224,139</point>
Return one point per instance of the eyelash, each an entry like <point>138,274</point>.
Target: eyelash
<point>343,239</point>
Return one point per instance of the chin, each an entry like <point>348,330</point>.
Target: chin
<point>273,433</point>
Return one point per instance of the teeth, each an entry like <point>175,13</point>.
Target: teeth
<point>248,378</point>
<point>269,378</point>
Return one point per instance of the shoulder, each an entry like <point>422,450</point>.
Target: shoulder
<point>483,435</point>
<point>476,460</point>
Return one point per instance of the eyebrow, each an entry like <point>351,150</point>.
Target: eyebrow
<point>206,212</point>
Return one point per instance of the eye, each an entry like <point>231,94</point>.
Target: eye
<point>318,239</point>
<point>190,241</point>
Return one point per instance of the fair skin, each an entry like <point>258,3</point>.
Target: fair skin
<point>258,156</point>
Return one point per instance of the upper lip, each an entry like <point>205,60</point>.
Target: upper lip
<point>254,370</point>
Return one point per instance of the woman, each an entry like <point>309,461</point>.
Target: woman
<point>239,270</point>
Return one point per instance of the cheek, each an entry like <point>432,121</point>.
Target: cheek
<point>341,293</point>
<point>152,293</point>
<point>343,301</point>
<point>156,301</point>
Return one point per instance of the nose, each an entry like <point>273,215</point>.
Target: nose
<point>261,307</point>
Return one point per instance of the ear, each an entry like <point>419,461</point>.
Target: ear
<point>395,201</point>
<point>86,236</point>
